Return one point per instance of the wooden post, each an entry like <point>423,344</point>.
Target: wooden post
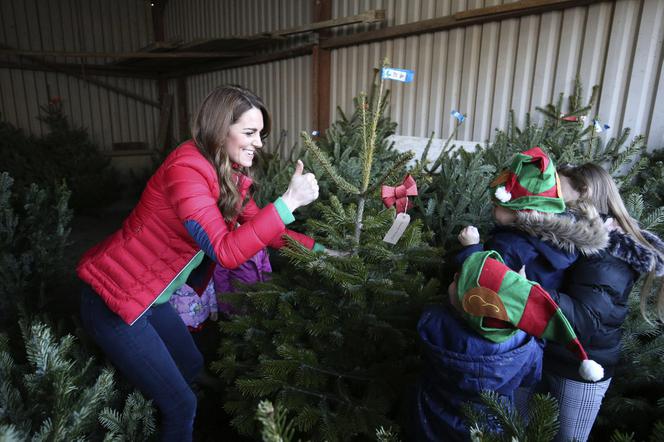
<point>165,117</point>
<point>165,99</point>
<point>183,110</point>
<point>321,70</point>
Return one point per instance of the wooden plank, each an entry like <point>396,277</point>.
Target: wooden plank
<point>370,16</point>
<point>89,69</point>
<point>321,70</point>
<point>165,122</point>
<point>523,5</point>
<point>157,55</point>
<point>443,23</point>
<point>183,110</point>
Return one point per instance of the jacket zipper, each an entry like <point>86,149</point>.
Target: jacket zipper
<point>167,286</point>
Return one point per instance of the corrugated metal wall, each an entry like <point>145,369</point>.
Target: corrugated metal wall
<point>285,85</point>
<point>486,70</point>
<point>482,70</point>
<point>78,25</point>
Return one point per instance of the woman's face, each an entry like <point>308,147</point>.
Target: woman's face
<point>244,137</point>
<point>503,216</point>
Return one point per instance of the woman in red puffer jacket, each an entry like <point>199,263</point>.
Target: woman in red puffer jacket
<point>183,224</point>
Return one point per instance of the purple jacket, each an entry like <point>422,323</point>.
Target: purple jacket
<point>254,270</point>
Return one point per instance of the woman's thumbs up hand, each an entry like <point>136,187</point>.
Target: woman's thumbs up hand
<point>302,190</point>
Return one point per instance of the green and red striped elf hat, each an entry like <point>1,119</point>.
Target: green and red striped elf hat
<point>530,183</point>
<point>496,301</point>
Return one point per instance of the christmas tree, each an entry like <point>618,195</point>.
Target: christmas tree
<point>332,339</point>
<point>51,392</point>
<point>34,232</point>
<point>64,154</point>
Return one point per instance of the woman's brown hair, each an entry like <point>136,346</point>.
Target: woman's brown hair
<point>596,185</point>
<point>219,110</point>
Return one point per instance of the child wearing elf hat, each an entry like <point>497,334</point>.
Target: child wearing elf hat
<point>488,342</point>
<point>496,301</point>
<point>534,227</point>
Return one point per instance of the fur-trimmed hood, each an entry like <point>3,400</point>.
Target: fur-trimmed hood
<point>642,259</point>
<point>579,229</point>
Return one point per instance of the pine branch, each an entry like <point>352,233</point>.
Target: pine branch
<point>325,163</point>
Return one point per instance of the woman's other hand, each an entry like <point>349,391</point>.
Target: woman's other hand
<point>302,190</point>
<point>469,236</point>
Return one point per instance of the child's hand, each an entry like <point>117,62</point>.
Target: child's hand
<point>469,236</point>
<point>337,253</point>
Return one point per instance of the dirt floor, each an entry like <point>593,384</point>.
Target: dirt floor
<point>87,230</point>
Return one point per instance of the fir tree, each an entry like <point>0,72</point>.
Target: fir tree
<point>276,427</point>
<point>66,153</point>
<point>135,423</point>
<point>51,392</point>
<point>53,395</point>
<point>34,231</point>
<point>332,339</point>
<point>497,420</point>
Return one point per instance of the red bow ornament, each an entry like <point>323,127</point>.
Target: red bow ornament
<point>399,194</point>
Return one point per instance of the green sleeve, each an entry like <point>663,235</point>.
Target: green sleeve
<point>285,214</point>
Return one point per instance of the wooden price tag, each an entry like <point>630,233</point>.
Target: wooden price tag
<point>398,227</point>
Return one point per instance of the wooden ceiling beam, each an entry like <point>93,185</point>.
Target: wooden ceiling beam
<point>158,55</point>
<point>83,69</point>
<point>240,62</point>
<point>461,19</point>
<point>82,76</point>
<point>370,16</point>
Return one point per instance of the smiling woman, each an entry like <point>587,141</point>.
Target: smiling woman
<point>244,137</point>
<point>185,222</point>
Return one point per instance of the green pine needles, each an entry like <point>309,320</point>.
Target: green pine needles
<point>497,421</point>
<point>51,393</point>
<point>54,395</point>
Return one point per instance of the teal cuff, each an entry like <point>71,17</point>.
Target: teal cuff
<point>284,213</point>
<point>318,247</point>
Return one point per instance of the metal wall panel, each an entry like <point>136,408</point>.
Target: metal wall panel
<point>78,25</point>
<point>520,63</point>
<point>202,19</point>
<point>285,87</point>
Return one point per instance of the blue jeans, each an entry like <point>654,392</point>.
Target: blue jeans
<point>156,354</point>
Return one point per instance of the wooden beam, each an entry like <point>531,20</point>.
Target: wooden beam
<point>370,16</point>
<point>508,8</point>
<point>165,99</point>
<point>158,7</point>
<point>183,109</point>
<point>247,61</point>
<point>87,79</point>
<point>472,17</point>
<point>89,69</point>
<point>159,55</point>
<point>165,122</point>
<point>321,71</point>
